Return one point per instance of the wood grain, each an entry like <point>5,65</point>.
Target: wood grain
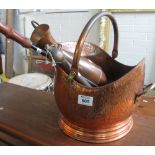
<point>31,116</point>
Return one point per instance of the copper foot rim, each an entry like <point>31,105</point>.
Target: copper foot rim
<point>116,132</point>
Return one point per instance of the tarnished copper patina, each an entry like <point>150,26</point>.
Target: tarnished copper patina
<point>41,35</point>
<point>110,116</point>
<point>87,69</point>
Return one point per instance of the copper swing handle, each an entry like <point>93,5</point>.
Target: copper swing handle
<point>84,34</point>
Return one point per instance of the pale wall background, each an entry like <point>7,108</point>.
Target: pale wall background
<point>137,40</point>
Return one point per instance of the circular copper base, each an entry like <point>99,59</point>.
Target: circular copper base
<point>117,131</point>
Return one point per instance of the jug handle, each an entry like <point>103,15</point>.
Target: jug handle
<point>84,34</point>
<point>34,24</point>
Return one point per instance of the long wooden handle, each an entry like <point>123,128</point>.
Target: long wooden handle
<point>12,34</point>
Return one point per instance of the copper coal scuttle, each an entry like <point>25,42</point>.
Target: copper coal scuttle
<point>100,113</point>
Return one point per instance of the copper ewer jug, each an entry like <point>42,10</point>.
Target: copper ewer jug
<point>41,35</point>
<point>104,113</point>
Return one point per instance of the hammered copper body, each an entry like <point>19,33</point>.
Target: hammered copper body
<point>110,116</point>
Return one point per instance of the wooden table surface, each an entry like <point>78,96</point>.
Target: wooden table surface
<point>30,117</point>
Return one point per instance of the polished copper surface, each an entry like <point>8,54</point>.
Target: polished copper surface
<point>88,69</point>
<point>97,136</point>
<point>113,103</point>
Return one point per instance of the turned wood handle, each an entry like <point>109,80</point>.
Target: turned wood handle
<point>9,32</point>
<point>84,34</point>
